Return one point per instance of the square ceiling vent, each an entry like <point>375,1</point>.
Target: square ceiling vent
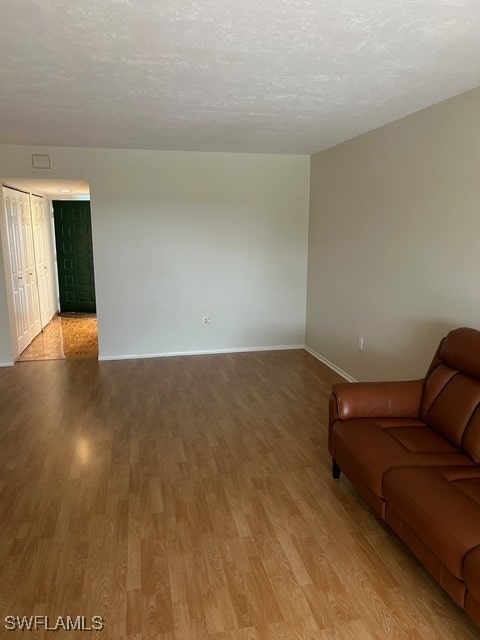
<point>40,161</point>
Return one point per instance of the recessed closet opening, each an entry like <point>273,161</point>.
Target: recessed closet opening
<point>46,233</point>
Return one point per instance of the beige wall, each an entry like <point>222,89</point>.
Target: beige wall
<point>393,246</point>
<point>181,235</point>
<point>394,243</point>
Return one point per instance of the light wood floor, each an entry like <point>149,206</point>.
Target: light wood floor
<point>191,499</point>
<point>64,337</point>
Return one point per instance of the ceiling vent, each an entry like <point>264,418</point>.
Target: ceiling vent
<point>40,161</point>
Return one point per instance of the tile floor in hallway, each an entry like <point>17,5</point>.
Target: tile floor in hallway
<point>65,338</point>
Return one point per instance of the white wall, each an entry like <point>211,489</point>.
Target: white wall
<point>181,235</point>
<point>394,243</point>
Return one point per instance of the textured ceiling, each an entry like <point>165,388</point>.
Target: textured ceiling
<point>288,76</point>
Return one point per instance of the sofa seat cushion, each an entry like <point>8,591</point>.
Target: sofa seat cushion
<point>369,447</point>
<point>472,573</point>
<point>442,507</point>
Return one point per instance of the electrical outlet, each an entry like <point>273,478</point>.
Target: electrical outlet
<point>361,343</point>
<point>207,320</point>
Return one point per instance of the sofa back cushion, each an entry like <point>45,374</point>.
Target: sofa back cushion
<point>471,438</point>
<point>451,397</point>
<point>461,350</point>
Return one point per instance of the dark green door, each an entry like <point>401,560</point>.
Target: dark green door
<point>73,237</point>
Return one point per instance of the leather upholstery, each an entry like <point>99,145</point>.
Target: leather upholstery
<point>388,443</point>
<point>460,351</point>
<point>472,607</point>
<point>442,506</point>
<point>379,399</point>
<point>454,406</point>
<point>472,583</point>
<point>471,437</point>
<point>454,586</point>
<point>472,573</point>
<point>412,449</point>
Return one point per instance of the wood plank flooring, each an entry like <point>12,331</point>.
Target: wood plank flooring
<point>191,499</point>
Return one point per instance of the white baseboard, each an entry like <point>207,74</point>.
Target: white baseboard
<point>171,354</point>
<point>6,364</point>
<point>330,365</point>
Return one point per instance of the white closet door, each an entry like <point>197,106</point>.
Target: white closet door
<point>17,264</point>
<point>29,264</point>
<point>42,242</point>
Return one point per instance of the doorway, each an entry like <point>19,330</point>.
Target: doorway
<point>48,253</point>
<point>73,239</point>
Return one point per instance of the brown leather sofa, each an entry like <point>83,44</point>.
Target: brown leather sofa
<point>412,450</point>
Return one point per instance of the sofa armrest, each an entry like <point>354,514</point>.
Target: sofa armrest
<point>375,400</point>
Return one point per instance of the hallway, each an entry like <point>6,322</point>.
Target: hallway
<point>65,338</point>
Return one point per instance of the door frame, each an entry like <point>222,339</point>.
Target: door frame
<point>5,263</point>
<point>7,279</point>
